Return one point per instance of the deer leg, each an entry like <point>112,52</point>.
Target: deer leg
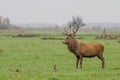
<point>81,59</point>
<point>77,61</point>
<point>102,59</point>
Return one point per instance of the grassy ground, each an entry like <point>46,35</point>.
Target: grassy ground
<point>33,59</point>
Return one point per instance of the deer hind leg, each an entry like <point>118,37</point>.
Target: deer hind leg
<point>102,59</point>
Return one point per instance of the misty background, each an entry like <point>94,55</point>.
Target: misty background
<point>56,13</point>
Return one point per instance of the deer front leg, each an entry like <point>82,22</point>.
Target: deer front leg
<point>77,61</point>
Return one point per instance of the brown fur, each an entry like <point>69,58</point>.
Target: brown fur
<point>81,49</point>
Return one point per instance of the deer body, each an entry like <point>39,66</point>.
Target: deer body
<point>82,49</point>
<point>86,49</point>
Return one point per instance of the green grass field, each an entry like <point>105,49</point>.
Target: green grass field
<point>33,59</point>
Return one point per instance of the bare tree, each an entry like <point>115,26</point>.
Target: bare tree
<point>6,21</point>
<point>0,20</point>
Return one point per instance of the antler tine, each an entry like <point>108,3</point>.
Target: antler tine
<point>65,30</point>
<point>79,20</point>
<point>69,28</point>
<point>74,21</point>
<point>70,25</point>
<point>76,24</point>
<point>76,29</point>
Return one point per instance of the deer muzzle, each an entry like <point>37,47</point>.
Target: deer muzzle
<point>63,41</point>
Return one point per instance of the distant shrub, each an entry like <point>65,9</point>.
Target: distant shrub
<point>118,41</point>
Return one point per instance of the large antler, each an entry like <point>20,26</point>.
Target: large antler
<point>77,23</point>
<point>74,25</point>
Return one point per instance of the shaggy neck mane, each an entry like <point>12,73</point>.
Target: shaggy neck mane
<point>72,45</point>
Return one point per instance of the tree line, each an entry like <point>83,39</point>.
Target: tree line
<point>4,23</point>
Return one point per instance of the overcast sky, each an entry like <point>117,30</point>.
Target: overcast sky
<point>60,11</point>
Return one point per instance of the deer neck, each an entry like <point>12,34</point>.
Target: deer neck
<point>72,45</point>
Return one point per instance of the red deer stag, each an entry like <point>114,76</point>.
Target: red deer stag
<point>82,49</point>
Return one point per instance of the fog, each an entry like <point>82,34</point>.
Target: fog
<point>60,11</point>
